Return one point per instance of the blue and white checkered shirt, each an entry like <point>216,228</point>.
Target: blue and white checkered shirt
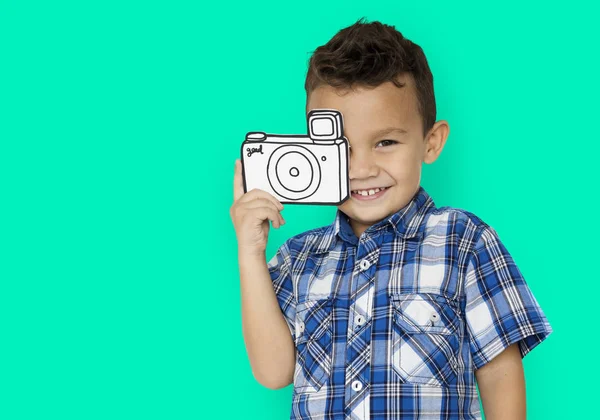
<point>393,326</point>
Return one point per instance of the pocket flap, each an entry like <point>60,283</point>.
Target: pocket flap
<point>426,313</point>
<point>313,319</point>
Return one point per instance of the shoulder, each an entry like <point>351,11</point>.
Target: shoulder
<point>473,239</point>
<point>458,228</point>
<point>311,241</point>
<point>454,221</point>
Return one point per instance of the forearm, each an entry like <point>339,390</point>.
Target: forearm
<point>269,344</point>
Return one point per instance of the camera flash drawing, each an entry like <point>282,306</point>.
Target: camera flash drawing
<point>300,169</point>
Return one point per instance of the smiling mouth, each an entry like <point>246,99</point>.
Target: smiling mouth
<point>369,194</point>
<point>369,191</point>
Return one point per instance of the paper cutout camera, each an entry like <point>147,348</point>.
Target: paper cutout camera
<point>300,169</point>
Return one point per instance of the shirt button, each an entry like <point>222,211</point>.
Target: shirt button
<point>364,265</point>
<point>301,326</point>
<point>360,319</point>
<point>434,317</point>
<point>357,385</point>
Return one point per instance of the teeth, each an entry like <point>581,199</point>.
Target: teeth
<point>368,192</point>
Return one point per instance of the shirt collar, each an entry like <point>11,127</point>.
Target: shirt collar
<point>406,222</point>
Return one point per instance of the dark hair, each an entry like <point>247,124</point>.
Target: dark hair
<point>370,54</point>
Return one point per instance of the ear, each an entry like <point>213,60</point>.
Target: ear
<point>435,141</point>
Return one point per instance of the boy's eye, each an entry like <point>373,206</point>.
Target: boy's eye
<point>388,142</point>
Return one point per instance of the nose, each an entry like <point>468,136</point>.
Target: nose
<point>362,165</point>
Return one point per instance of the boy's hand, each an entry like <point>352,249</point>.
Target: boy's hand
<point>250,213</point>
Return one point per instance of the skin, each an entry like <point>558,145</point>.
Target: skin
<point>387,149</point>
<point>501,385</point>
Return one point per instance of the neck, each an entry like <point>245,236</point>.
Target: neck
<point>358,228</point>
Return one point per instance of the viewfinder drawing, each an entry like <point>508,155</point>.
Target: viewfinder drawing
<point>300,169</point>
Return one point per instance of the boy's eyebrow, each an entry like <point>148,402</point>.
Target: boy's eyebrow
<point>389,130</point>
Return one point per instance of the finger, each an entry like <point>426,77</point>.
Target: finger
<point>262,202</point>
<point>258,193</point>
<point>267,213</point>
<point>238,182</point>
<point>258,202</point>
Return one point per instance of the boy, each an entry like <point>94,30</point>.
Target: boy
<point>398,308</point>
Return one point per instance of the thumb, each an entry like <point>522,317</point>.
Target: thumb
<point>238,183</point>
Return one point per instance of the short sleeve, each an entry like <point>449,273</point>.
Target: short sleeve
<point>280,271</point>
<point>500,308</point>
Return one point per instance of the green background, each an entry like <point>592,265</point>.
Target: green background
<point>119,126</point>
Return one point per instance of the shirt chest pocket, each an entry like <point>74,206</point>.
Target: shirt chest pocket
<point>314,344</point>
<point>425,338</point>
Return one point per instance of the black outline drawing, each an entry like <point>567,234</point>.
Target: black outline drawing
<point>262,153</point>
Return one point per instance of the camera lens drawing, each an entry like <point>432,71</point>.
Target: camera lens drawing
<point>294,172</point>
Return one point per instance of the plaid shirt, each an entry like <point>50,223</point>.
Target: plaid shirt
<point>394,324</point>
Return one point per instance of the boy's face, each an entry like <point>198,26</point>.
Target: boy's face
<point>387,146</point>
